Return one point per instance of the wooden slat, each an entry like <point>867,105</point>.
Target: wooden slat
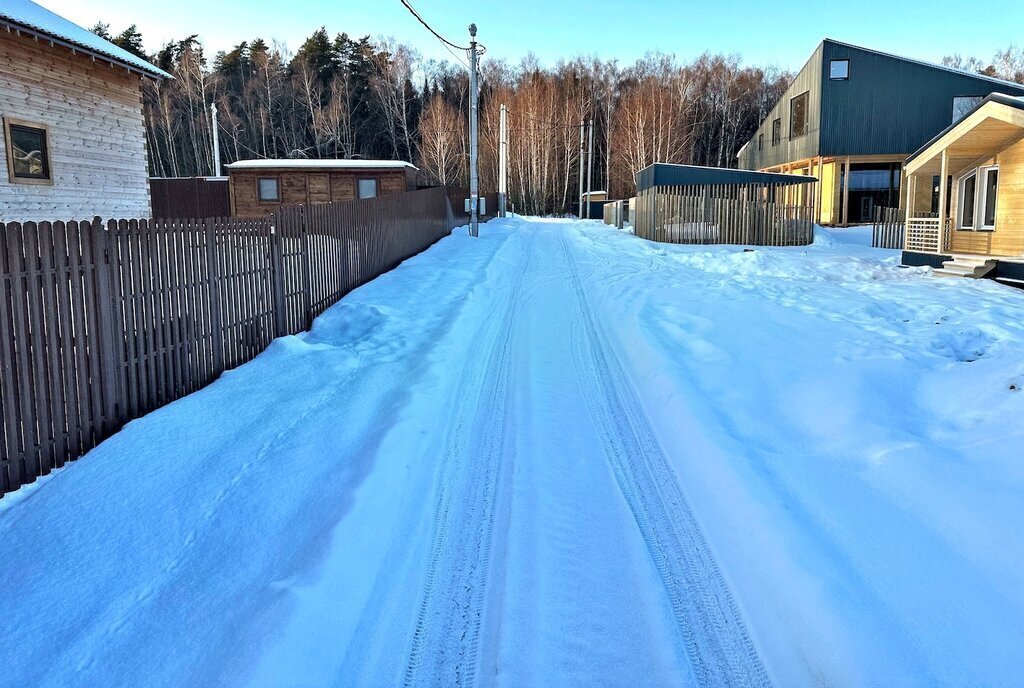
<point>101,326</point>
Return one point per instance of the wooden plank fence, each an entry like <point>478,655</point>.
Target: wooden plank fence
<point>174,197</point>
<point>889,228</point>
<point>754,214</point>
<point>101,323</point>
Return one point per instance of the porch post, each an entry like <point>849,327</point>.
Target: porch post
<point>909,208</point>
<point>943,173</point>
<point>846,192</point>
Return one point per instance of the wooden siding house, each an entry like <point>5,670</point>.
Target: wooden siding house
<point>73,134</point>
<point>972,226</point>
<point>852,116</point>
<point>258,187</point>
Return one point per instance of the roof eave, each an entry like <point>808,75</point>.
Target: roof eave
<point>1000,98</point>
<point>10,25</point>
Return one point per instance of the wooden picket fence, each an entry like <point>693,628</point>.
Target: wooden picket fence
<point>101,323</point>
<point>889,228</point>
<point>755,214</point>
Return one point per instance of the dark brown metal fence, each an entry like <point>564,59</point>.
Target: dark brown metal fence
<point>101,323</point>
<point>757,214</point>
<point>191,197</point>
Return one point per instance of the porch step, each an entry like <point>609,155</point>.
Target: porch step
<point>966,266</point>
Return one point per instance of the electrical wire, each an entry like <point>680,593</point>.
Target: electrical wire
<point>429,28</point>
<point>448,45</point>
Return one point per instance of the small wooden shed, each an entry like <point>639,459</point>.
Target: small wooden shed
<point>257,187</point>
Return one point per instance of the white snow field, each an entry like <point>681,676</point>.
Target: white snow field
<point>559,455</point>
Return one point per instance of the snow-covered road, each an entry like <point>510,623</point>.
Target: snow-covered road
<point>559,455</point>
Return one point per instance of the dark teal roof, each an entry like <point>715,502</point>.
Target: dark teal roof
<point>665,174</point>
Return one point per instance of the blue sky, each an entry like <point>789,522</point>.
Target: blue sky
<point>771,32</point>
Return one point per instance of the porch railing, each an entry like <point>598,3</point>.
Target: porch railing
<point>927,234</point>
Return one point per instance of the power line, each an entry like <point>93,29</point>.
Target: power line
<point>430,28</point>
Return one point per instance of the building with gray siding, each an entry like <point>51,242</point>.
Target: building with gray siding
<point>852,116</point>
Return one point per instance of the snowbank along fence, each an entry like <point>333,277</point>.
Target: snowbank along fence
<point>101,323</point>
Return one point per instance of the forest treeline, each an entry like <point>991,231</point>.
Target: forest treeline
<point>344,97</point>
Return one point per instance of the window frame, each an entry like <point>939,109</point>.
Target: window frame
<point>376,187</point>
<point>760,141</point>
<point>806,95</point>
<point>259,195</point>
<point>9,152</point>
<point>980,175</point>
<point>839,78</point>
<point>982,202</point>
<point>776,131</point>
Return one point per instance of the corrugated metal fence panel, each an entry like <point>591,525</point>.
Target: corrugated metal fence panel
<point>191,197</point>
<point>100,324</point>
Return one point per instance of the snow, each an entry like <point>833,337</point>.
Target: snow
<point>319,163</point>
<point>35,17</point>
<point>560,455</point>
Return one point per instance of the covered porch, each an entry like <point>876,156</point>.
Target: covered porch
<point>964,191</point>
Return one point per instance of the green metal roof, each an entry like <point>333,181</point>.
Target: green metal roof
<point>665,174</point>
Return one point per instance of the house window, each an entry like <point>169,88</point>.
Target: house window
<point>989,191</point>
<point>269,190</point>
<point>367,188</point>
<point>964,104</point>
<point>776,131</point>
<point>798,115</point>
<point>968,196</point>
<point>28,154</point>
<point>760,142</point>
<point>935,195</point>
<point>978,191</point>
<point>839,70</point>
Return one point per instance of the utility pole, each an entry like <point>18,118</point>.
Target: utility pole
<point>580,198</point>
<point>216,139</point>
<point>590,166</point>
<point>503,162</point>
<point>474,102</point>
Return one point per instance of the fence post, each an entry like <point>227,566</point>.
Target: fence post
<point>307,274</point>
<point>111,383</point>
<point>213,275</point>
<point>277,276</point>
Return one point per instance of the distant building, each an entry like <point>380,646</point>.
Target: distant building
<point>257,187</point>
<point>852,116</point>
<point>74,136</point>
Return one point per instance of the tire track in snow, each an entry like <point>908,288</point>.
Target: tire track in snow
<point>446,641</point>
<point>719,648</point>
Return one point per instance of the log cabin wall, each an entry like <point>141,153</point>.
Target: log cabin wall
<point>308,186</point>
<point>92,112</point>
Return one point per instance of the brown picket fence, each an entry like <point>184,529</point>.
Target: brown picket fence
<point>102,322</point>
